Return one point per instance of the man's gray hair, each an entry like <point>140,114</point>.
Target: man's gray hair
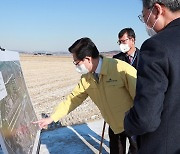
<point>173,5</point>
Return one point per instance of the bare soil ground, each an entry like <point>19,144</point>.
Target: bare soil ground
<point>49,79</point>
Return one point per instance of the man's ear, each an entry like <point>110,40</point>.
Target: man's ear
<point>133,40</point>
<point>159,10</point>
<point>88,58</point>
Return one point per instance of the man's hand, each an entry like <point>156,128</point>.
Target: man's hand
<point>43,123</point>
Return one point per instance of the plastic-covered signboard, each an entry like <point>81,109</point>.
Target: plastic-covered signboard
<point>17,133</point>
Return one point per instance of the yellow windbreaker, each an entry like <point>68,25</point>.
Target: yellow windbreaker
<point>113,94</point>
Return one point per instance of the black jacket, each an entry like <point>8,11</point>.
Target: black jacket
<point>124,57</point>
<point>155,115</point>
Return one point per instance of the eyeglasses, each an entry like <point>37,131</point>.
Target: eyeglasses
<point>76,62</point>
<point>123,41</point>
<point>141,18</point>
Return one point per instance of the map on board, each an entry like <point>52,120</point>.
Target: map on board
<point>17,133</point>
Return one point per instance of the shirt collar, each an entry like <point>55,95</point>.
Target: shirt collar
<point>98,69</point>
<point>132,55</point>
<point>101,68</point>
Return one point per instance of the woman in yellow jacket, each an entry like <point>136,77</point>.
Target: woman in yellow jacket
<point>112,91</point>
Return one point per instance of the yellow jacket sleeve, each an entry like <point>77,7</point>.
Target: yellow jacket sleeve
<point>77,96</point>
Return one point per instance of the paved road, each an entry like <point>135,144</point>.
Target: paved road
<point>77,139</point>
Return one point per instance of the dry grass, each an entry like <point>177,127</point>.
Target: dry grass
<point>49,79</point>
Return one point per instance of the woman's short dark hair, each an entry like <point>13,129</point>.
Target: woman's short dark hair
<point>84,47</point>
<point>130,32</point>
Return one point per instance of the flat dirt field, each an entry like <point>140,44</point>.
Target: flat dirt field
<point>49,79</point>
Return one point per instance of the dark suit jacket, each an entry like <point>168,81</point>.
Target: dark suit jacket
<point>124,57</point>
<point>156,112</point>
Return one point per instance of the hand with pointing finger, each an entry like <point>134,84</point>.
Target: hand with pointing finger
<point>43,123</point>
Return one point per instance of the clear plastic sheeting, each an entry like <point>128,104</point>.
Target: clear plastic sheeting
<point>17,133</point>
<point>1,152</point>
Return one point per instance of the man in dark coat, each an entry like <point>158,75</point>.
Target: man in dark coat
<point>155,116</point>
<point>130,54</point>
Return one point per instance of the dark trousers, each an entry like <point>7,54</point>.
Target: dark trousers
<point>118,143</point>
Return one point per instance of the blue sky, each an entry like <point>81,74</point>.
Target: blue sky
<point>53,25</point>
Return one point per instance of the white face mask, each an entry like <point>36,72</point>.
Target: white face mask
<point>82,69</point>
<point>149,30</point>
<point>124,48</point>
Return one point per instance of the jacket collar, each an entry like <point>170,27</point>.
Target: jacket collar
<point>175,22</point>
<point>104,68</point>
